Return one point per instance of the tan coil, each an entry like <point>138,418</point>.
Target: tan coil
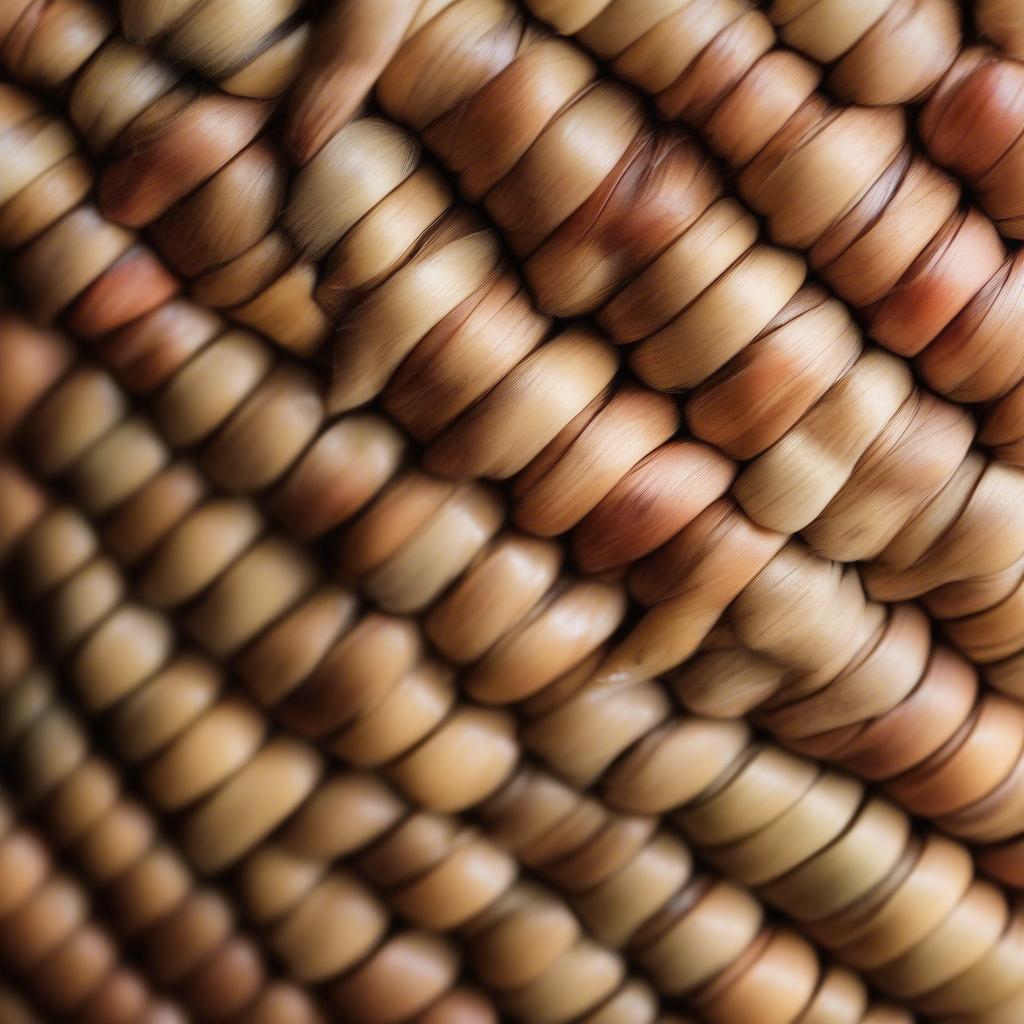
<point>842,380</point>
<point>538,799</point>
<point>971,123</point>
<point>323,618</point>
<point>900,52</point>
<point>845,391</point>
<point>635,783</point>
<point>52,940</point>
<point>453,878</point>
<point>369,239</point>
<point>730,79</point>
<point>205,728</point>
<point>838,597</point>
<point>527,652</point>
<point>205,753</point>
<point>682,18</point>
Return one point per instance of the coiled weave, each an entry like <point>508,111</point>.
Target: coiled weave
<point>578,608</point>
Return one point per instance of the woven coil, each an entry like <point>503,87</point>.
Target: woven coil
<point>511,511</point>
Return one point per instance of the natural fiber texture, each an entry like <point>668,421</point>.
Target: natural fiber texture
<point>439,661</point>
<point>529,658</point>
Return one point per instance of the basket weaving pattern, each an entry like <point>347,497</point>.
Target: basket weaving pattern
<point>511,510</point>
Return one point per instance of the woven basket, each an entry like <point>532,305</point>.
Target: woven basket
<point>511,511</point>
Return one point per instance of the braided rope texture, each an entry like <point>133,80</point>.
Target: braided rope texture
<point>511,510</point>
